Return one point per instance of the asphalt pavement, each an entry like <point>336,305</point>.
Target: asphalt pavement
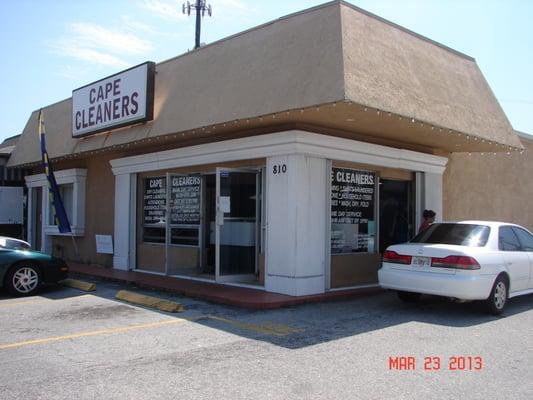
<point>65,344</point>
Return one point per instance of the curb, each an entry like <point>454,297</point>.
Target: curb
<point>77,284</point>
<point>149,301</point>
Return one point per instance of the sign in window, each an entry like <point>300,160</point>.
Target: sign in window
<point>353,220</point>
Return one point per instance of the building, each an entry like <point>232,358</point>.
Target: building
<point>284,158</point>
<point>12,193</point>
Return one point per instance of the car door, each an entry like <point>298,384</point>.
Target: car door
<point>526,241</point>
<point>516,261</point>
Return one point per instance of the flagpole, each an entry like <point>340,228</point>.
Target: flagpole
<point>75,245</point>
<point>60,215</point>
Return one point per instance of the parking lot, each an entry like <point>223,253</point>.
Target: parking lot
<point>65,344</point>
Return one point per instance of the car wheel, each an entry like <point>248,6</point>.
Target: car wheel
<point>23,280</point>
<point>409,297</point>
<point>498,296</point>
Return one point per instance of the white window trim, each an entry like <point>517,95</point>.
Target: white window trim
<point>75,176</point>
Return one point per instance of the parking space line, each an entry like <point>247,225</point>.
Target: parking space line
<point>266,328</point>
<point>93,333</point>
<point>18,303</point>
<point>40,300</point>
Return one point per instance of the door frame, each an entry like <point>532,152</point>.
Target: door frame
<point>219,221</point>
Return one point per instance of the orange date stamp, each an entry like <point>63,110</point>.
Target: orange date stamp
<point>437,363</point>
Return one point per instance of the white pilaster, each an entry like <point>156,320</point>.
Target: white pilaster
<point>121,258</point>
<point>296,230</point>
<point>433,193</point>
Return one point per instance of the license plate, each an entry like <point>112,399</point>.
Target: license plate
<point>421,262</point>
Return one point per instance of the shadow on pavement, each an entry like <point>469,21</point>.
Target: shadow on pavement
<point>310,324</point>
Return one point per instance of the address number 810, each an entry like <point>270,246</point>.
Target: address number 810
<point>279,169</point>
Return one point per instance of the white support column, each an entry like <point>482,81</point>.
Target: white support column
<point>121,258</point>
<point>31,217</point>
<point>46,240</point>
<point>296,224</point>
<point>433,193</point>
<point>419,199</point>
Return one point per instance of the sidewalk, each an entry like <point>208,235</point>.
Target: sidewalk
<point>217,293</point>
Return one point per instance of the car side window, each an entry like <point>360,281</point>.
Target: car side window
<point>525,238</point>
<point>508,240</point>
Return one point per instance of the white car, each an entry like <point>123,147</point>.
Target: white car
<point>14,243</point>
<point>468,260</point>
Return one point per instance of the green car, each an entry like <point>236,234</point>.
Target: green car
<point>23,271</point>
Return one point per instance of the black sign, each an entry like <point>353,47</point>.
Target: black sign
<point>155,200</point>
<point>185,200</point>
<point>352,210</point>
<point>352,196</point>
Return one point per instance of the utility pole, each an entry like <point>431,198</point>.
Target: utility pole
<point>201,7</point>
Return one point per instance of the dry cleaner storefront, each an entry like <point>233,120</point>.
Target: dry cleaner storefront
<point>296,211</point>
<point>290,171</point>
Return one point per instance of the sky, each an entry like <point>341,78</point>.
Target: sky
<point>51,47</point>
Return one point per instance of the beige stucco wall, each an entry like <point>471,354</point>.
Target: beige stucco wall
<point>488,186</point>
<point>99,212</point>
<point>395,70</point>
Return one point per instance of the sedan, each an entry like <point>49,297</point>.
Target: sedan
<point>468,260</point>
<point>23,271</point>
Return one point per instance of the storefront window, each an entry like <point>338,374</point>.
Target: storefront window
<point>154,209</point>
<point>66,191</point>
<point>353,217</point>
<point>184,210</point>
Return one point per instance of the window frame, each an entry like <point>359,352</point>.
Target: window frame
<point>516,229</point>
<point>156,225</point>
<point>510,228</point>
<point>77,177</point>
<point>168,225</point>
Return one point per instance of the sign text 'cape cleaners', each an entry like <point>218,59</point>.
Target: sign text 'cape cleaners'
<point>122,99</point>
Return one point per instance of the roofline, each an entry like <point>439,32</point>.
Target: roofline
<point>11,137</point>
<point>257,27</point>
<point>524,135</point>
<point>301,12</point>
<point>395,25</point>
<point>318,7</point>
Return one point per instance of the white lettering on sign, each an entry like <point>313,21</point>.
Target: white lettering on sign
<point>121,99</point>
<point>354,177</point>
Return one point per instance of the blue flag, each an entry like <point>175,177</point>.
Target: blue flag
<point>60,216</point>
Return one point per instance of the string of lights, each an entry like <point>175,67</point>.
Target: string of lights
<point>206,130</point>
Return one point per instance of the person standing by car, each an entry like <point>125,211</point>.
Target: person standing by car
<point>429,218</point>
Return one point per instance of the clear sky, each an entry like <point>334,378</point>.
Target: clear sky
<point>50,47</point>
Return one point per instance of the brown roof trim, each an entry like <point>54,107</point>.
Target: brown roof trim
<point>524,135</point>
<point>12,137</point>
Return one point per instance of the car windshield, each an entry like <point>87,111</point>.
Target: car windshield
<point>12,244</point>
<point>457,234</point>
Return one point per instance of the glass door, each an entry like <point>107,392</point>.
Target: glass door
<point>396,203</point>
<point>236,225</point>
